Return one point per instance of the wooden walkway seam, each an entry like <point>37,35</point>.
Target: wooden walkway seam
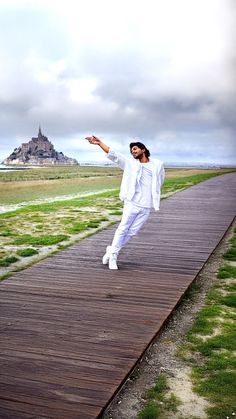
<point>71,331</point>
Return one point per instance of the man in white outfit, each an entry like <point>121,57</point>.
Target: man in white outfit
<point>140,190</point>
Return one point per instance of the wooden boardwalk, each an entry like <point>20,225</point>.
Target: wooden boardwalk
<point>72,331</point>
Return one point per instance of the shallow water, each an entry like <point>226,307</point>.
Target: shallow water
<point>11,168</point>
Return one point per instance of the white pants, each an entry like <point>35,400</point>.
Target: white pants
<point>132,220</point>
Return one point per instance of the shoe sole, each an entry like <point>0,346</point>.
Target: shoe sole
<point>113,267</point>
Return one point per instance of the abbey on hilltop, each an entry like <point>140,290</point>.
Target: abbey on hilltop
<point>38,151</point>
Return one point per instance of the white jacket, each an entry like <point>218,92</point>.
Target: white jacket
<point>132,172</point>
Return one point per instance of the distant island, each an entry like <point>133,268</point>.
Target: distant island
<point>39,151</point>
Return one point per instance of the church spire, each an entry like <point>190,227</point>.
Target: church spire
<point>40,132</point>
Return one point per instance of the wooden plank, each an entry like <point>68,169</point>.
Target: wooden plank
<point>18,408</point>
<point>11,413</point>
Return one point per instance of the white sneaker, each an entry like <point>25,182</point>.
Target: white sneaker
<point>112,262</point>
<point>107,255</point>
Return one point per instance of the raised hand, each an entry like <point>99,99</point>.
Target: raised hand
<point>96,140</point>
<point>93,140</point>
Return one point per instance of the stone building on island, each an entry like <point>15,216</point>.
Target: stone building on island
<point>38,151</point>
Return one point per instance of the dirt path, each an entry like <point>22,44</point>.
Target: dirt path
<point>161,356</point>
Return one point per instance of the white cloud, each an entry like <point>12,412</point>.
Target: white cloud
<point>119,69</point>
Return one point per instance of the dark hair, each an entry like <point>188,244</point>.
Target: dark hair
<point>142,146</point>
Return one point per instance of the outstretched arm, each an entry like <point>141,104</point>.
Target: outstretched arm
<point>97,141</point>
<point>112,155</point>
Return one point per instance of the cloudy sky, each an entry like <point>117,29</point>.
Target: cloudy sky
<point>160,71</point>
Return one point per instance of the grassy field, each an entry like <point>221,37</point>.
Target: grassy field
<point>59,172</point>
<point>35,230</point>
<point>35,184</point>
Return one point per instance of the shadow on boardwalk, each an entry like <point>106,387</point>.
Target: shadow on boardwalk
<point>72,331</point>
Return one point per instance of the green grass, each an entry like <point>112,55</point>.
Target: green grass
<point>214,376</point>
<point>230,254</point>
<point>46,240</point>
<point>99,200</point>
<point>158,401</point>
<point>224,341</point>
<point>77,228</point>
<point>6,233</point>
<point>150,411</point>
<point>219,412</point>
<point>116,213</point>
<point>7,261</point>
<point>218,361</point>
<point>172,402</point>
<point>5,276</point>
<point>158,389</point>
<point>35,184</point>
<point>229,300</point>
<point>60,172</point>
<point>175,184</point>
<point>203,326</point>
<point>27,252</point>
<point>227,271</point>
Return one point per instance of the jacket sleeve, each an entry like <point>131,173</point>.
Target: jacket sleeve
<point>117,158</point>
